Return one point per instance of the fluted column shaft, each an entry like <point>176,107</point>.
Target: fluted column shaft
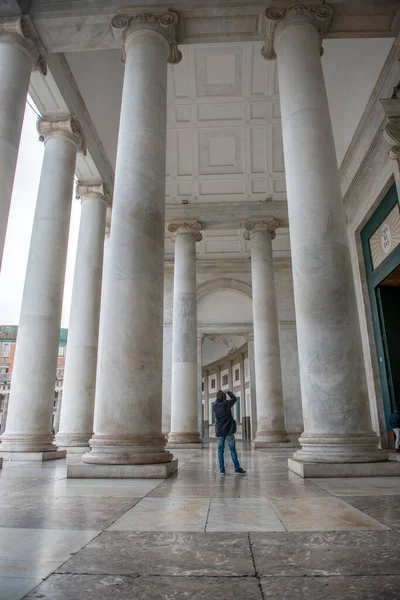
<point>32,391</point>
<point>184,388</point>
<point>76,422</point>
<point>337,423</point>
<point>18,55</point>
<point>127,421</point>
<point>270,412</point>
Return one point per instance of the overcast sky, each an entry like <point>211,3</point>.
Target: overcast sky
<point>20,228</point>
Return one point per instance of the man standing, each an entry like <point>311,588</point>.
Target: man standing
<point>395,425</point>
<point>225,429</point>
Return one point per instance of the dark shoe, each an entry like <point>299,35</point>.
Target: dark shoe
<point>222,471</point>
<point>398,450</point>
<point>240,471</point>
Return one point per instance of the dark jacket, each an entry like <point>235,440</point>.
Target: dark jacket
<point>225,424</point>
<point>395,421</point>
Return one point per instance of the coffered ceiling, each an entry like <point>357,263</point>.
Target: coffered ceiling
<point>224,139</point>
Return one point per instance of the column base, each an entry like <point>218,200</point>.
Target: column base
<point>127,450</point>
<point>185,440</point>
<point>340,448</point>
<point>69,440</point>
<point>388,468</point>
<point>96,471</point>
<point>261,444</point>
<point>33,456</point>
<point>74,450</point>
<point>271,439</point>
<point>184,446</point>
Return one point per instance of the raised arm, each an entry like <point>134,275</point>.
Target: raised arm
<point>233,398</point>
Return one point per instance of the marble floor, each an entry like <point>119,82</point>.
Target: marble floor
<point>269,535</point>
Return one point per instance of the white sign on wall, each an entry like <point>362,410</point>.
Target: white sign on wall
<point>386,238</point>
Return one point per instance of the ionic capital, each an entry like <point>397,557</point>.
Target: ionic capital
<point>178,227</point>
<point>260,225</point>
<point>92,191</point>
<point>19,31</point>
<point>68,128</point>
<point>163,23</point>
<point>278,19</point>
<point>391,132</point>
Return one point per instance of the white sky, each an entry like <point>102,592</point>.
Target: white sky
<point>20,223</point>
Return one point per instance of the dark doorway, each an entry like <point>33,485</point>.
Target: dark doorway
<point>388,300</point>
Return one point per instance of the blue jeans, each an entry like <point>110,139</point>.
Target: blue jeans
<point>232,447</point>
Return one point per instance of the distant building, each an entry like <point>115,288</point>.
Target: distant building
<point>8,342</point>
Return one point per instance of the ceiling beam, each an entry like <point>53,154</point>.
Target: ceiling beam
<point>78,25</point>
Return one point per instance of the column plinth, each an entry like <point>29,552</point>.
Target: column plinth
<point>270,413</point>
<point>32,390</point>
<point>127,420</point>
<point>337,421</point>
<point>19,54</point>
<point>184,387</point>
<point>76,422</point>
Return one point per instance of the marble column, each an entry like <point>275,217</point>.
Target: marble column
<point>28,431</point>
<point>337,422</point>
<point>128,440</point>
<point>184,390</point>
<point>200,338</point>
<point>245,416</point>
<point>253,392</point>
<point>76,422</point>
<point>270,412</point>
<point>57,415</point>
<point>19,54</point>
<point>206,407</point>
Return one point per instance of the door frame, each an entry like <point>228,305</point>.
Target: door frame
<point>374,278</point>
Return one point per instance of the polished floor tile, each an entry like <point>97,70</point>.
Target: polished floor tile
<point>332,588</point>
<point>314,554</point>
<point>189,491</point>
<point>147,553</point>
<point>43,544</point>
<point>385,509</point>
<point>92,587</point>
<point>32,568</point>
<point>189,536</point>
<point>165,514</point>
<point>279,489</point>
<point>14,588</point>
<point>243,514</point>
<point>322,514</point>
<point>53,512</point>
<point>121,488</point>
<point>361,486</point>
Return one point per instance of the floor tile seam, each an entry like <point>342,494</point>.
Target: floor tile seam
<point>256,574</point>
<point>208,514</point>
<point>277,514</point>
<point>87,543</point>
<point>364,513</point>
<point>329,575</point>
<point>157,575</point>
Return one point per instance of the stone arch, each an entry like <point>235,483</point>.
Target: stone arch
<point>214,285</point>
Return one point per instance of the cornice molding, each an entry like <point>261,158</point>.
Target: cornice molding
<point>19,31</point>
<point>232,215</point>
<point>261,225</point>
<point>189,226</point>
<point>164,23</point>
<point>278,19</point>
<point>68,128</point>
<point>391,132</point>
